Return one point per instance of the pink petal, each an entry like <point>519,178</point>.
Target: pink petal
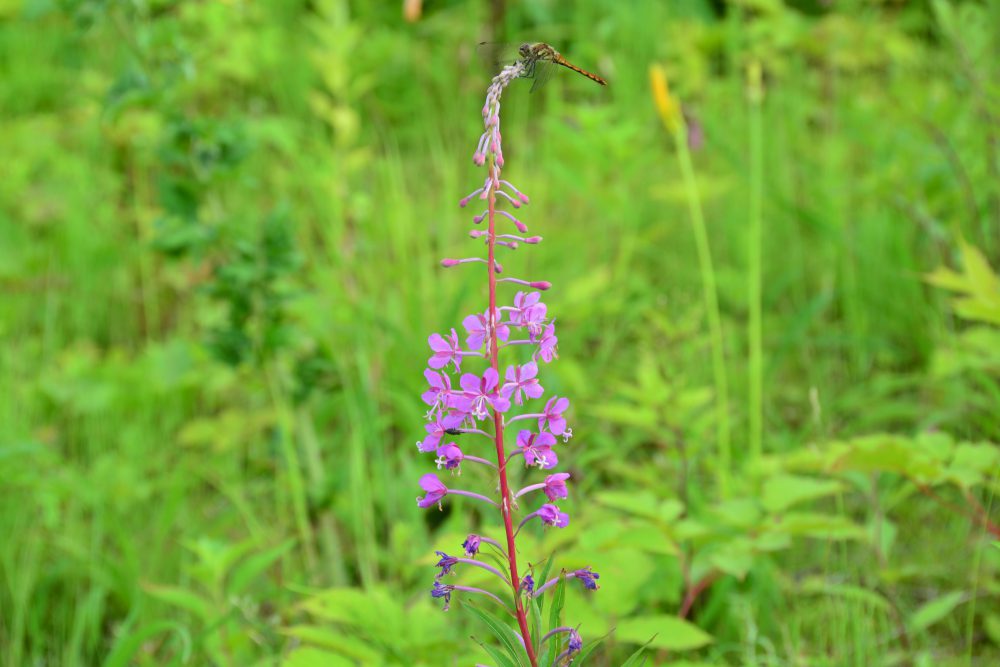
<point>438,344</point>
<point>431,483</point>
<point>470,383</point>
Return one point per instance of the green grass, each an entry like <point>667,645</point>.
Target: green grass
<point>219,232</point>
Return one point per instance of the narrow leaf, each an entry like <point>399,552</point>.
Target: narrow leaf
<point>634,658</point>
<point>935,610</point>
<point>503,632</point>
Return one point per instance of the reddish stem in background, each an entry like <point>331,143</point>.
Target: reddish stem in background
<point>508,524</point>
<point>694,591</point>
<point>973,512</point>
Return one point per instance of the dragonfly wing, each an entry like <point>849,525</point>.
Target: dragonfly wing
<point>543,70</point>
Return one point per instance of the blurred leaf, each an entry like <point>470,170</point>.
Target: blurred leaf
<point>129,643</point>
<point>200,607</point>
<point>734,557</point>
<point>820,586</point>
<point>991,625</point>
<point>672,633</point>
<point>817,526</point>
<point>978,283</point>
<point>342,643</point>
<point>640,503</point>
<point>784,491</point>
<point>254,566</point>
<point>931,612</point>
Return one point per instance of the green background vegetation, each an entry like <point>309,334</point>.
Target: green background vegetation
<point>219,231</point>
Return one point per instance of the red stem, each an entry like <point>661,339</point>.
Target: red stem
<point>974,512</point>
<point>508,524</point>
<point>694,591</point>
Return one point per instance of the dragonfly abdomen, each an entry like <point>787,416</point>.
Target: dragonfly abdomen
<point>590,75</point>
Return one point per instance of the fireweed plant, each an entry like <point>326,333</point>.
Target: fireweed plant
<point>483,405</point>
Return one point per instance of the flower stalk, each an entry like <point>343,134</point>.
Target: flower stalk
<point>508,523</point>
<point>468,404</point>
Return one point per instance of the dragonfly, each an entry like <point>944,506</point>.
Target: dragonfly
<point>538,59</point>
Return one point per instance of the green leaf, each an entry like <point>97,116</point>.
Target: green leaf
<point>991,625</point>
<point>254,566</point>
<point>734,557</point>
<point>846,591</point>
<point>641,503</point>
<point>535,617</point>
<point>672,633</point>
<point>935,610</point>
<point>129,643</point>
<point>587,650</point>
<point>341,642</point>
<point>187,600</point>
<point>634,658</point>
<point>503,632</point>
<point>558,599</point>
<point>817,526</point>
<point>496,654</point>
<point>308,656</point>
<point>542,579</point>
<point>784,491</point>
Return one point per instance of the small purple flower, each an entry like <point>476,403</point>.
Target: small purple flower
<point>524,302</point>
<point>446,351</point>
<point>471,545</point>
<point>446,563</point>
<point>528,584</point>
<point>442,591</point>
<point>551,516</point>
<point>575,641</point>
<point>434,488</point>
<point>547,349</point>
<point>440,393</point>
<point>479,331</point>
<point>482,393</point>
<point>437,430</point>
<point>552,415</point>
<point>588,578</point>
<point>522,379</point>
<point>555,486</point>
<point>537,449</point>
<point>534,320</point>
<point>449,456</point>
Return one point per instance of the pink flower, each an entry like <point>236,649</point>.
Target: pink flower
<point>445,351</point>
<point>434,488</point>
<point>552,415</point>
<point>522,379</point>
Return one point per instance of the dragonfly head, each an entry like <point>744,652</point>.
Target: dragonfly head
<point>524,50</point>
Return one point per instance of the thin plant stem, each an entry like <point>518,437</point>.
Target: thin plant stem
<point>508,524</point>
<point>711,305</point>
<point>294,479</point>
<point>326,529</point>
<point>970,618</point>
<point>755,395</point>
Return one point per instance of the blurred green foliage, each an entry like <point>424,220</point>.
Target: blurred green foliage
<point>219,227</point>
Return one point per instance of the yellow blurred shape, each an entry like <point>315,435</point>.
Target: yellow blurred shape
<point>667,105</point>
